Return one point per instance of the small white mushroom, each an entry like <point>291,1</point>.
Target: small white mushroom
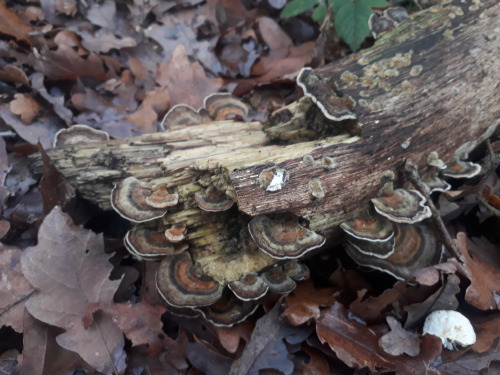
<point>451,327</point>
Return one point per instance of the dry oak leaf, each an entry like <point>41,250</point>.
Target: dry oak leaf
<point>303,304</point>
<point>357,345</point>
<point>69,268</point>
<point>186,81</point>
<point>141,323</point>
<point>14,288</point>
<point>25,106</point>
<point>398,340</point>
<point>12,25</point>
<point>481,265</point>
<point>65,63</point>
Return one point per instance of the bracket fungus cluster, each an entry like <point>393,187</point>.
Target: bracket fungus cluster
<point>216,107</point>
<point>324,94</point>
<point>214,261</point>
<point>389,235</point>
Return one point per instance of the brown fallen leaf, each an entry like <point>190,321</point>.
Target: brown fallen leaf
<point>303,304</point>
<point>156,102</point>
<point>399,341</point>
<point>443,299</point>
<point>357,345</point>
<point>69,268</point>
<point>231,337</point>
<point>481,265</point>
<point>12,73</point>
<point>14,288</point>
<point>487,333</point>
<point>12,25</point>
<point>25,106</point>
<point>141,323</point>
<point>178,72</point>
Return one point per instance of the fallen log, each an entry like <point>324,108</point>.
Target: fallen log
<point>429,85</point>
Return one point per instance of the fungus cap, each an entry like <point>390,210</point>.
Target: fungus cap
<point>213,200</point>
<point>461,169</point>
<point>176,233</point>
<point>179,284</point>
<point>150,244</point>
<point>451,327</point>
<point>297,271</point>
<point>78,134</point>
<point>228,311</point>
<point>249,287</point>
<point>415,247</point>
<point>369,227</point>
<point>180,116</point>
<point>403,206</point>
<point>282,237</point>
<point>224,106</point>
<point>278,281</point>
<point>161,198</point>
<point>324,96</point>
<point>129,199</point>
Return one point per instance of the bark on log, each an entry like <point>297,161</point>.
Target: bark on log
<point>431,84</point>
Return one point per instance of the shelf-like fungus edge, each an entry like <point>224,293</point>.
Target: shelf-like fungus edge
<point>400,205</point>
<point>282,237</point>
<point>180,286</point>
<point>415,247</point>
<point>150,244</point>
<point>213,200</point>
<point>130,197</point>
<point>332,106</point>
<point>278,281</point>
<point>78,134</point>
<point>250,287</point>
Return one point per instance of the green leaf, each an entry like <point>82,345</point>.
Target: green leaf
<point>319,13</point>
<point>296,7</point>
<point>351,19</point>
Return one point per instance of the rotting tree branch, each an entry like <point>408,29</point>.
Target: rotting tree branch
<point>427,86</point>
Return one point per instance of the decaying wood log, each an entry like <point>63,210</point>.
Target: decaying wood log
<point>429,85</point>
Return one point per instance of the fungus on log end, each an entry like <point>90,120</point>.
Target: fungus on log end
<point>132,199</point>
<point>178,283</point>
<point>282,237</point>
<point>78,134</point>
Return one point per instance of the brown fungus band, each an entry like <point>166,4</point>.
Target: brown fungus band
<point>278,281</point>
<point>150,244</point>
<point>228,311</point>
<point>213,200</point>
<point>130,197</point>
<point>323,94</point>
<point>415,247</point>
<point>180,285</point>
<point>249,287</point>
<point>400,205</point>
<point>282,237</point>
<point>461,169</point>
<point>224,106</point>
<point>78,134</point>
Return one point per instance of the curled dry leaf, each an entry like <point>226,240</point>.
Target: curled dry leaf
<point>180,72</point>
<point>357,345</point>
<point>304,303</point>
<point>399,341</point>
<point>481,265</point>
<point>25,106</point>
<point>69,268</point>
